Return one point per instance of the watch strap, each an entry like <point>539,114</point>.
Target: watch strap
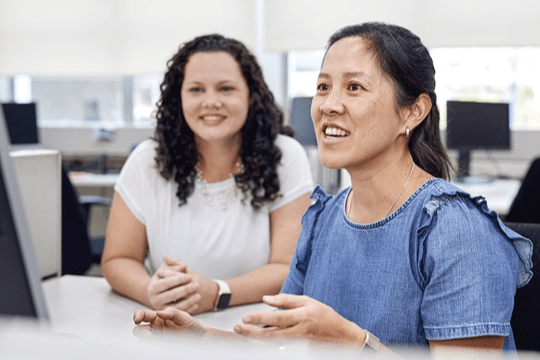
<point>224,295</point>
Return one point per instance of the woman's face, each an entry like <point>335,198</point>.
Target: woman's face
<point>215,97</point>
<point>354,111</point>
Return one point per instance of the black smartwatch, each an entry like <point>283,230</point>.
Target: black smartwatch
<point>224,296</point>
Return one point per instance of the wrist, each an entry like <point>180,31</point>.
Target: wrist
<point>370,342</point>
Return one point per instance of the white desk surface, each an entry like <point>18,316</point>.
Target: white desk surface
<point>86,307</point>
<point>499,193</point>
<point>89,321</point>
<point>84,179</point>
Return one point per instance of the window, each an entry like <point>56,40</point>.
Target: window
<point>475,74</point>
<point>145,97</point>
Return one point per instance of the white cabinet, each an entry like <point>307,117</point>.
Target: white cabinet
<point>39,176</point>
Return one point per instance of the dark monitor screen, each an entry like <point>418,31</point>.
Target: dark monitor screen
<point>20,286</point>
<point>21,121</point>
<point>477,125</point>
<point>301,121</point>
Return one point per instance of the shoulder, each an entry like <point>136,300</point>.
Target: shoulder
<point>451,218</point>
<point>141,158</point>
<point>144,149</point>
<point>289,145</point>
<point>323,203</point>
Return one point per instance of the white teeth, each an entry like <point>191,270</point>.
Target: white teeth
<point>212,117</point>
<point>332,131</point>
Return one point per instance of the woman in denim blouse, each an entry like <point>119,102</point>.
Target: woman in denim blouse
<point>402,255</point>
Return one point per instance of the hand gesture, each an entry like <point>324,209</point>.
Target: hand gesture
<point>168,321</point>
<point>303,318</point>
<point>172,285</point>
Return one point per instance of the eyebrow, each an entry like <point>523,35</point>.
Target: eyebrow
<point>222,82</point>
<point>349,74</point>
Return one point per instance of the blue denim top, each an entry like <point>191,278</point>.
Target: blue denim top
<point>442,266</point>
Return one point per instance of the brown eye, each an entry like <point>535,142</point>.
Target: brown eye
<point>355,87</point>
<point>322,87</point>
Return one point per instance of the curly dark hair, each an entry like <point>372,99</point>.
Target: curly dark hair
<point>177,154</point>
<point>402,56</point>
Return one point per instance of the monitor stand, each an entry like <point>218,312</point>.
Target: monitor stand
<point>464,163</point>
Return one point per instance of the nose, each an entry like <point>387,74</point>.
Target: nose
<point>212,102</point>
<point>332,104</point>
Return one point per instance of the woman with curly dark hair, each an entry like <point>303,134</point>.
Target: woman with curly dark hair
<point>218,193</point>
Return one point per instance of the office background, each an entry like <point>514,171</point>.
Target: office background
<point>120,44</point>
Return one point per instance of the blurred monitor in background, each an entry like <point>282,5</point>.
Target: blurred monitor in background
<point>21,122</point>
<point>476,126</point>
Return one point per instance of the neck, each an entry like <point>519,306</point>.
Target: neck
<point>217,162</point>
<point>381,189</point>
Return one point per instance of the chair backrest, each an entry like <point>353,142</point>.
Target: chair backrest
<point>526,315</point>
<point>526,205</point>
<point>76,254</point>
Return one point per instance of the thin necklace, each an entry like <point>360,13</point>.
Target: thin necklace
<point>397,197</point>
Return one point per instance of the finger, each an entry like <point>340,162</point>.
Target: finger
<point>183,291</point>
<point>165,271</point>
<point>176,316</point>
<point>273,318</point>
<point>286,301</point>
<point>187,303</point>
<point>192,309</point>
<point>144,316</point>
<point>172,282</point>
<point>261,333</point>
<point>174,262</point>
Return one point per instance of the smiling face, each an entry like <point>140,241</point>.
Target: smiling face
<point>215,97</point>
<point>354,109</point>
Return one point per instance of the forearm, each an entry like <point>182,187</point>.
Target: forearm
<point>127,277</point>
<point>252,286</point>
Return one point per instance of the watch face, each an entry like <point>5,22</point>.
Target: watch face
<point>223,302</point>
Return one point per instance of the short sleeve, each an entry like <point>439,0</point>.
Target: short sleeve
<point>468,268</point>
<point>294,284</point>
<point>294,172</point>
<point>135,178</point>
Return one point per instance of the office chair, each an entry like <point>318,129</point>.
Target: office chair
<point>79,250</point>
<point>526,315</point>
<point>526,205</point>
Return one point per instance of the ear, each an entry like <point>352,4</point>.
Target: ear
<point>413,115</point>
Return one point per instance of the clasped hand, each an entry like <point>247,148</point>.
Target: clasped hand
<point>175,285</point>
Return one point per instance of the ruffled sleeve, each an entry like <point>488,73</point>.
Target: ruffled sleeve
<point>468,264</point>
<point>522,245</point>
<point>294,284</point>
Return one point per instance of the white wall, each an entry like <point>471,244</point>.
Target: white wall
<point>126,37</point>
<point>103,37</point>
<point>307,24</point>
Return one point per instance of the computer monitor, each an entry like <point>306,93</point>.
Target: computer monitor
<point>476,126</point>
<point>301,121</point>
<point>21,294</point>
<point>21,121</point>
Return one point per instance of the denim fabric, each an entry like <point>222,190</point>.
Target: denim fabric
<point>443,266</point>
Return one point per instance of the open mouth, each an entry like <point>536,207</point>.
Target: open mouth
<point>212,117</point>
<point>335,132</point>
